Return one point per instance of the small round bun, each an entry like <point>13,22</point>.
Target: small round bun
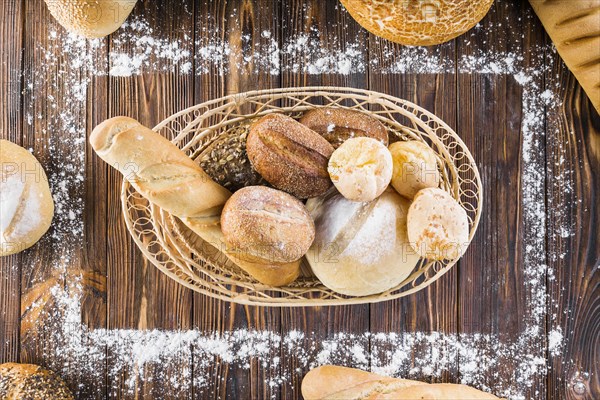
<point>25,199</point>
<point>340,124</point>
<point>264,224</point>
<point>418,23</point>
<point>361,168</point>
<point>28,381</point>
<point>438,227</point>
<point>415,168</point>
<point>91,18</point>
<point>361,249</point>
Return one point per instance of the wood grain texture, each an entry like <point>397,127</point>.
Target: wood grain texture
<point>330,26</point>
<point>573,190</point>
<point>240,25</point>
<point>139,295</point>
<point>11,128</point>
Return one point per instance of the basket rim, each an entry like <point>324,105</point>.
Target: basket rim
<point>306,301</point>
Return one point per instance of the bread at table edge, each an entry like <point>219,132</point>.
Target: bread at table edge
<point>28,381</point>
<point>574,27</point>
<point>167,177</point>
<point>330,382</point>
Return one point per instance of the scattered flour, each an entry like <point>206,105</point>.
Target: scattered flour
<point>72,64</point>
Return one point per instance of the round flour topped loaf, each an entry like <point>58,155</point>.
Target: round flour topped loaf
<point>360,248</point>
<point>25,199</point>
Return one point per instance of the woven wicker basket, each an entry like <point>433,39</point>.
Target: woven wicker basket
<point>181,255</point>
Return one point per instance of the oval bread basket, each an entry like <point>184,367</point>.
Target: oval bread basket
<point>184,257</point>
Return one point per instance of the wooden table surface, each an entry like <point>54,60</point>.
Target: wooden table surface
<point>490,291</point>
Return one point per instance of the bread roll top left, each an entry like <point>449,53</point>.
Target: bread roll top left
<point>159,170</point>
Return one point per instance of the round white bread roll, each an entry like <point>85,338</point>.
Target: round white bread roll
<point>415,168</point>
<point>438,227</point>
<point>360,248</point>
<point>418,22</point>
<point>25,199</point>
<point>91,18</point>
<point>361,168</point>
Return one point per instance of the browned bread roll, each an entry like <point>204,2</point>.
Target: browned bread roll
<point>339,124</point>
<point>289,155</point>
<point>27,381</point>
<point>26,203</point>
<point>266,225</point>
<point>574,27</point>
<point>330,382</point>
<point>166,176</point>
<point>91,18</point>
<point>417,22</point>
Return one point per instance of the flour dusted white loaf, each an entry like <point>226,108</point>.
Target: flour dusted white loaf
<point>330,382</point>
<point>574,27</point>
<point>91,18</point>
<point>26,206</point>
<point>167,177</point>
<point>360,248</point>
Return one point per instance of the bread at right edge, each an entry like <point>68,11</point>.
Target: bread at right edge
<point>574,27</point>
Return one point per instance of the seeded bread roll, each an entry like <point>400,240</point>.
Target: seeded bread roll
<point>26,203</point>
<point>360,248</point>
<point>417,22</point>
<point>290,156</point>
<point>438,227</point>
<point>415,168</point>
<point>574,27</point>
<point>91,18</point>
<point>361,168</point>
<point>27,381</point>
<point>339,124</point>
<point>263,224</point>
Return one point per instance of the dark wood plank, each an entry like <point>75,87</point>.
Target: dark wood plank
<point>11,37</point>
<point>324,25</point>
<point>573,190</point>
<point>498,295</point>
<point>139,295</point>
<point>239,26</point>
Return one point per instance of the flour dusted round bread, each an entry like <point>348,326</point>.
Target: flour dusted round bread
<point>260,223</point>
<point>418,22</point>
<point>360,248</point>
<point>438,227</point>
<point>415,167</point>
<point>361,168</point>
<point>25,199</point>
<point>31,382</point>
<point>91,18</point>
<point>340,124</point>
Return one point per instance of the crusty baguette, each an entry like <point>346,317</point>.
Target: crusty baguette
<point>574,27</point>
<point>329,382</point>
<point>167,177</point>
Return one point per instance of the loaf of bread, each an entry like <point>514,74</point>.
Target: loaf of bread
<point>574,27</point>
<point>415,167</point>
<point>26,203</point>
<point>360,249</point>
<point>438,226</point>
<point>91,18</point>
<point>266,225</point>
<point>27,381</point>
<point>167,177</point>
<point>330,382</point>
<point>340,124</point>
<point>290,156</point>
<point>418,23</point>
<point>361,168</point>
